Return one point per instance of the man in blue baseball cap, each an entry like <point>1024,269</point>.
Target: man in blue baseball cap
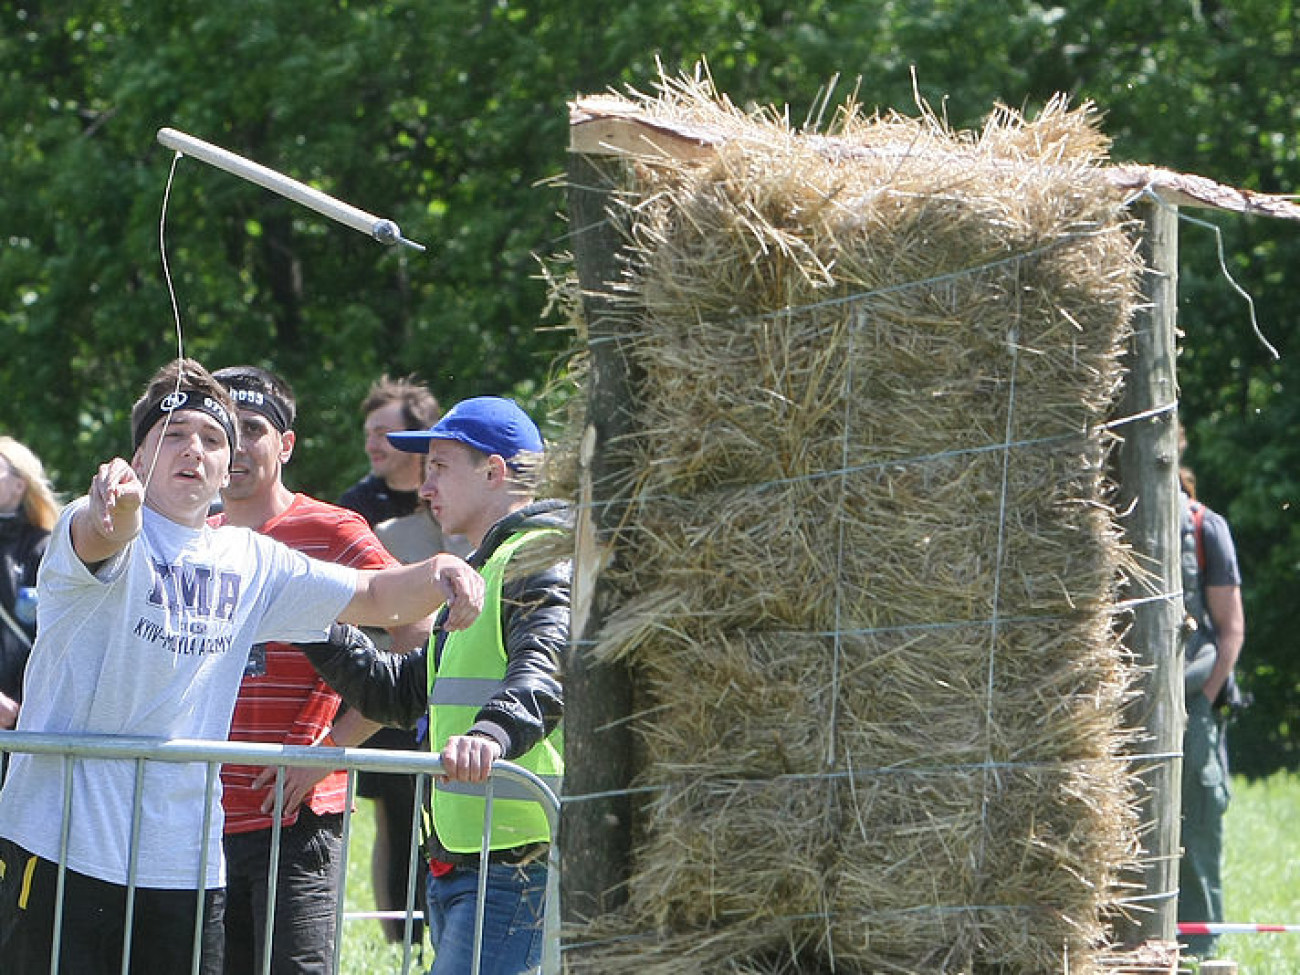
<point>489,424</point>
<point>491,692</point>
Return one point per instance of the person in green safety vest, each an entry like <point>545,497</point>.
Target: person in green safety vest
<point>491,691</point>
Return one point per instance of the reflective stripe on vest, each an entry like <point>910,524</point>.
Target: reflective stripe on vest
<point>463,692</point>
<point>468,672</point>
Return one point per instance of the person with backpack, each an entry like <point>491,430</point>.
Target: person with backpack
<point>1214,631</point>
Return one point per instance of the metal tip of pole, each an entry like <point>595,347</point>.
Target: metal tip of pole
<point>387,232</point>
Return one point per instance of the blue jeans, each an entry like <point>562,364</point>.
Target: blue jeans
<point>512,920</point>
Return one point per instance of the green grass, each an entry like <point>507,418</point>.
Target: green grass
<point>364,950</point>
<point>1261,879</point>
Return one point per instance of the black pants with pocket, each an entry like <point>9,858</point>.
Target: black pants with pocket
<point>93,926</point>
<point>307,889</point>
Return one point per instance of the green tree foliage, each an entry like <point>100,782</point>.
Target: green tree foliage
<point>450,117</point>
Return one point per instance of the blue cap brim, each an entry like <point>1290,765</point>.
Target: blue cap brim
<point>411,441</point>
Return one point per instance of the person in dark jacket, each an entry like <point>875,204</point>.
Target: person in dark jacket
<point>491,692</point>
<point>28,511</point>
<point>391,487</point>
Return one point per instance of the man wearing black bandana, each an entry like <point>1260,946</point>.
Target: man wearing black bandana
<point>177,401</point>
<point>147,618</point>
<point>283,701</point>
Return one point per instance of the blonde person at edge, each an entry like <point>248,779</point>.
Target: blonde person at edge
<point>491,691</point>
<point>28,510</point>
<point>147,618</point>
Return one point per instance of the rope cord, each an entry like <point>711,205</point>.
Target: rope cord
<point>176,313</point>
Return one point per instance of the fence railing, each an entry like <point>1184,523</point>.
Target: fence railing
<point>214,754</point>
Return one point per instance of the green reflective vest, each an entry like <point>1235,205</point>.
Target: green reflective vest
<point>468,673</point>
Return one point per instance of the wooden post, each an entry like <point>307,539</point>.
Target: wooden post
<point>595,821</point>
<point>1149,494</point>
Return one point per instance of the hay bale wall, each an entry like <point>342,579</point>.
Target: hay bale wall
<point>868,573</point>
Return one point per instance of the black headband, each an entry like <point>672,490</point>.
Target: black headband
<point>250,393</point>
<point>185,399</point>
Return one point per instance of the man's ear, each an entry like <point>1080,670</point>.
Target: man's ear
<point>497,471</point>
<point>288,440</point>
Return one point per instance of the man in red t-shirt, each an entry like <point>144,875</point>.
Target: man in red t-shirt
<point>283,701</point>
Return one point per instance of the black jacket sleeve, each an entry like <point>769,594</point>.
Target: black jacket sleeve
<point>391,688</point>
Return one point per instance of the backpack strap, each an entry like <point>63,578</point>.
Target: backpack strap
<point>1198,530</point>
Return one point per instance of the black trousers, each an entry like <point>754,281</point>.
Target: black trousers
<point>307,888</point>
<point>93,929</point>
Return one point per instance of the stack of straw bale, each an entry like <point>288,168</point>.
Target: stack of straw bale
<point>869,571</point>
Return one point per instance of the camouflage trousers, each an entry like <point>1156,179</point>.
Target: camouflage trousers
<point>1205,800</point>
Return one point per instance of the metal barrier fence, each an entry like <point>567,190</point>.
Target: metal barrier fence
<point>214,754</point>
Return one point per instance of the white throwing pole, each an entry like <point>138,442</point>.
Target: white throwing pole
<point>382,230</point>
